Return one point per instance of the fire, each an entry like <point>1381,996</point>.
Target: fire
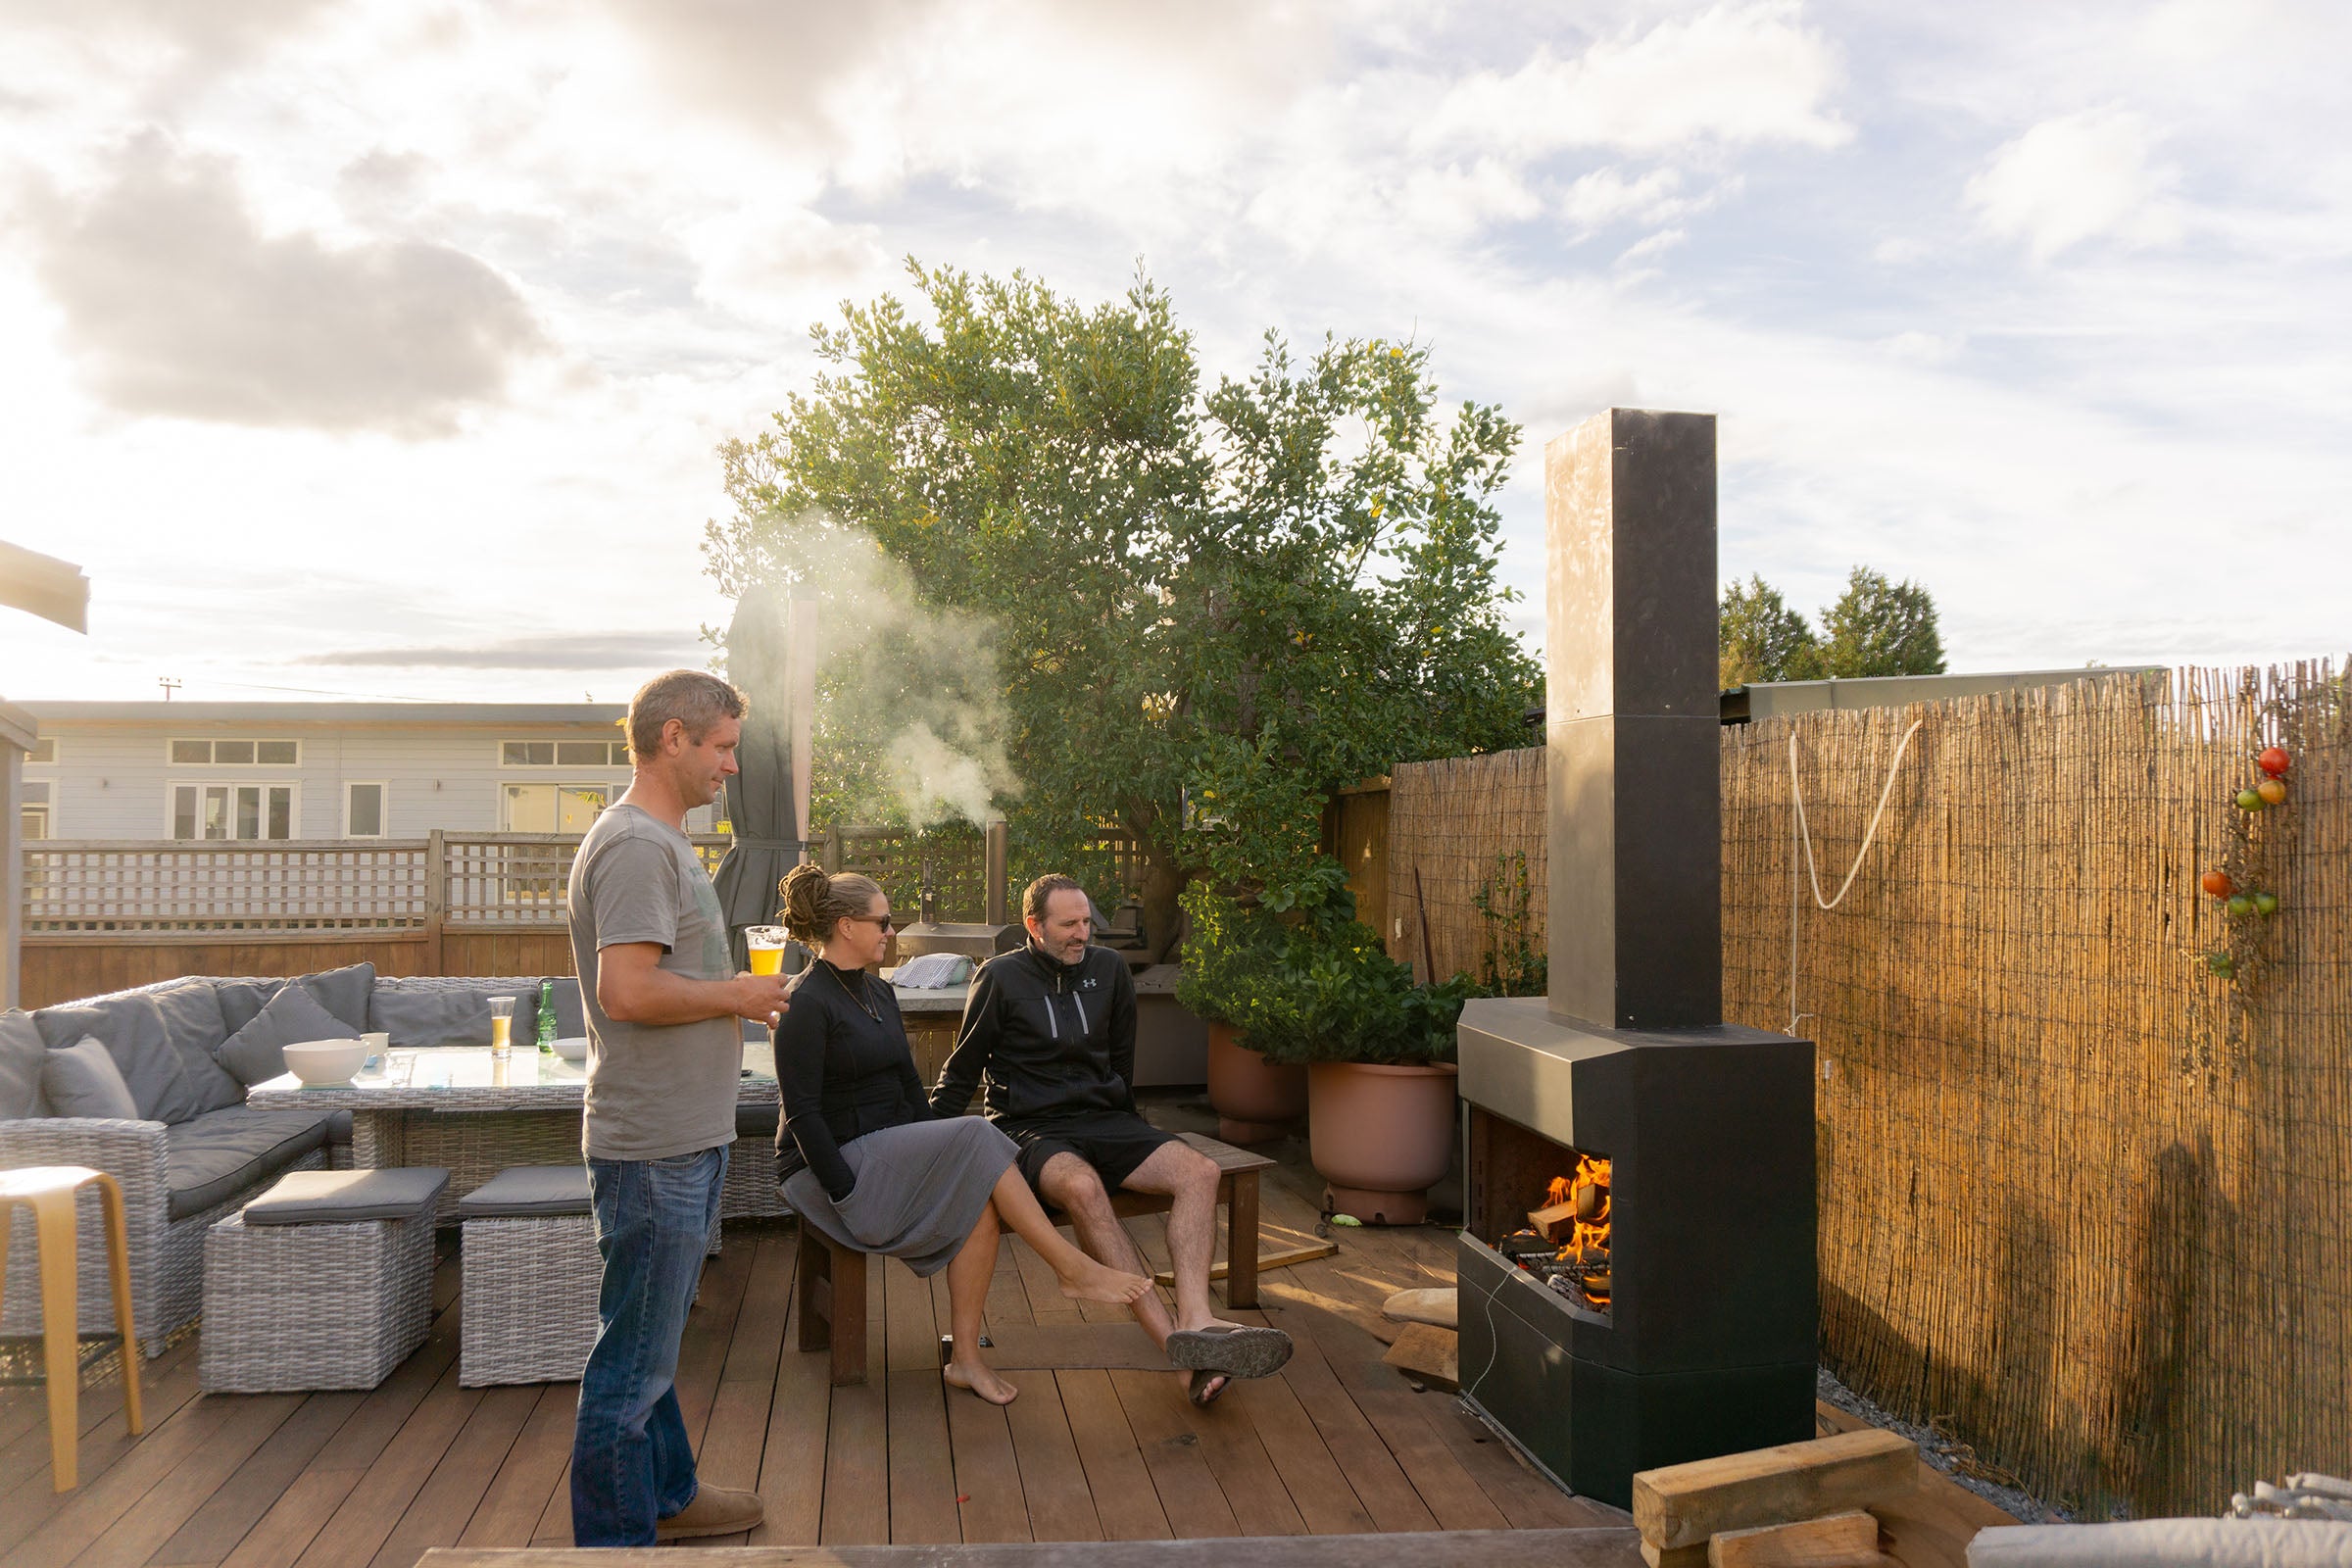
<point>1587,1246</point>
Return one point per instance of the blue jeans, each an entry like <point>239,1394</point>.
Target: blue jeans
<point>630,1459</point>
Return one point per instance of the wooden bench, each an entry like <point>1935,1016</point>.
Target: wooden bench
<point>831,1277</point>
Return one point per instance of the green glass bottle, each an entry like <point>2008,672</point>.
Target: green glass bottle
<point>547,1018</point>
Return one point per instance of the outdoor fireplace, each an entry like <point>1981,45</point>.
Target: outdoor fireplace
<point>1638,1282</point>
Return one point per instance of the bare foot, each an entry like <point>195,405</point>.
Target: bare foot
<point>1098,1282</point>
<point>977,1377</point>
<point>1206,1325</point>
<point>1204,1387</point>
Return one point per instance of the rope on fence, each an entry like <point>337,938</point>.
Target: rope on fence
<point>1802,832</point>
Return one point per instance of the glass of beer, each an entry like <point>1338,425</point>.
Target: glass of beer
<point>765,947</point>
<point>501,1022</point>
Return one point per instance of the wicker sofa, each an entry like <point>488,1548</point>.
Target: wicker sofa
<point>196,1151</point>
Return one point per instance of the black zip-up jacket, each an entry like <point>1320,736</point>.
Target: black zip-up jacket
<point>1052,1040</point>
<point>843,1072</point>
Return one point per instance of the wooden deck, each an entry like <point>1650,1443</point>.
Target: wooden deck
<point>1338,1442</point>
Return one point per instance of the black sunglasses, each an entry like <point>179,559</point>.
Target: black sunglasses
<point>885,921</point>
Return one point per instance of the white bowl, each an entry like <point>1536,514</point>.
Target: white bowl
<point>572,1048</point>
<point>321,1062</point>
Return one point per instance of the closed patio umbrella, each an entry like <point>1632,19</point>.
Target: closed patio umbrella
<point>760,798</point>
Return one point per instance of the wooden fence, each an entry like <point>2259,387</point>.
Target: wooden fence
<point>2082,1199</point>
<point>100,916</point>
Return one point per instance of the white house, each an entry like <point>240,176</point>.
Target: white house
<point>321,770</point>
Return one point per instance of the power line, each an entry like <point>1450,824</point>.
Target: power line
<point>315,691</point>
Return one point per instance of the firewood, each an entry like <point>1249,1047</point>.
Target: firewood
<point>1835,1541</point>
<point>1675,1556</point>
<point>1592,1199</point>
<point>1440,1307</point>
<point>1683,1504</point>
<point>1555,1223</point>
<point>1430,1353</point>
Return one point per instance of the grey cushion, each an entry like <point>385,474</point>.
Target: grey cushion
<point>338,1130</point>
<point>757,1121</point>
<point>523,1190</point>
<point>257,1052</point>
<point>344,993</point>
<point>139,1036</point>
<point>221,1152</point>
<point>242,1000</point>
<point>571,1014</point>
<point>422,1018</point>
<point>346,1196</point>
<point>193,1020</point>
<point>23,1050</point>
<point>81,1080</point>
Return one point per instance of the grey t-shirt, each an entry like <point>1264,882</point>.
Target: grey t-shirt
<point>653,1089</point>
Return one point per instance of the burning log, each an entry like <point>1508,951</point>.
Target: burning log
<point>1555,1222</point>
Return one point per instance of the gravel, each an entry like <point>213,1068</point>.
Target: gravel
<point>1944,1454</point>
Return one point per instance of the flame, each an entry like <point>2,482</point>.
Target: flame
<point>1589,1244</point>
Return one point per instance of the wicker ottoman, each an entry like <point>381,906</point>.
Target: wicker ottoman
<point>325,1280</point>
<point>530,1277</point>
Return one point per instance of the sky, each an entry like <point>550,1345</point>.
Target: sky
<point>381,348</point>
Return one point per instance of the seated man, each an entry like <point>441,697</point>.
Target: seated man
<point>1051,1027</point>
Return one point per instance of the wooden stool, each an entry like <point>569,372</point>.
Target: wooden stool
<point>49,1191</point>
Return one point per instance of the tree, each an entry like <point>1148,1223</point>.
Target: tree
<point>1228,600</point>
<point>1874,628</point>
<point>1881,628</point>
<point>1762,639</point>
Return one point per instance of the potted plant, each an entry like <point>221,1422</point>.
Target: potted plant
<point>1231,951</point>
<point>1379,1058</point>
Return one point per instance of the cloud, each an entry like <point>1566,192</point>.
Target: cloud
<point>214,30</point>
<point>2075,179</point>
<point>625,649</point>
<point>176,303</point>
<point>1605,196</point>
<point>1732,74</point>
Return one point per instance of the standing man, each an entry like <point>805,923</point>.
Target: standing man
<point>664,1053</point>
<point>1051,1027</point>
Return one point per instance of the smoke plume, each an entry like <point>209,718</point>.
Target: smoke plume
<point>908,705</point>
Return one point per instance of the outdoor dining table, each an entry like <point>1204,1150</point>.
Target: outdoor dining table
<point>457,1107</point>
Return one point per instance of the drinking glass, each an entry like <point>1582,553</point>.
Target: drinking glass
<point>765,946</point>
<point>502,1020</point>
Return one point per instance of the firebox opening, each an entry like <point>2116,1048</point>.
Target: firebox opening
<point>1543,1207</point>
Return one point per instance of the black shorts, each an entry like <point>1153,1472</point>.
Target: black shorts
<point>1112,1142</point>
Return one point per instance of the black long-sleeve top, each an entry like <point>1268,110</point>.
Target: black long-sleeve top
<point>843,1071</point>
<point>1052,1039</point>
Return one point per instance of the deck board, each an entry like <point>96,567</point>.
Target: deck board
<point>1337,1443</point>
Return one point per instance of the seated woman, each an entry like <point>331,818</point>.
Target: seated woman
<point>858,1151</point>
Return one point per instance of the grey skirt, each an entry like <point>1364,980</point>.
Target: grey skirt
<point>920,1192</point>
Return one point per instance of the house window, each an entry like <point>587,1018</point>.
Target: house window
<point>232,811</point>
<point>551,807</point>
<point>364,811</point>
<point>237,753</point>
<point>32,808</point>
<point>44,751</point>
<point>562,754</point>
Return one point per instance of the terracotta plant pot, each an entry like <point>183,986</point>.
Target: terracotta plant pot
<point>1381,1136</point>
<point>1256,1101</point>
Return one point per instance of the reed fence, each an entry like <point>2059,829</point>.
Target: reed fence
<point>1453,828</point>
<point>2085,1205</point>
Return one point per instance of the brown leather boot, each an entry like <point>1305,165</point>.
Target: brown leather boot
<point>714,1511</point>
